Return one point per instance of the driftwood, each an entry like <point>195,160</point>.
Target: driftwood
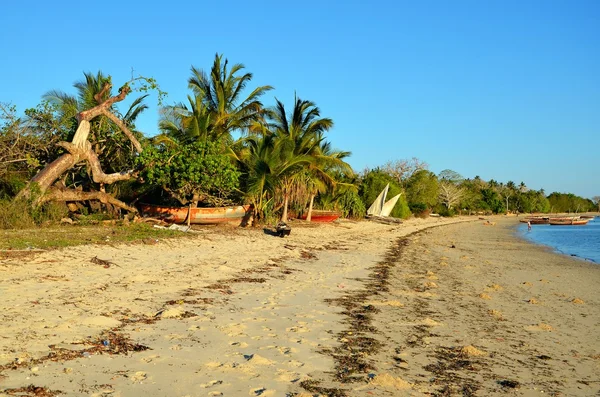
<point>80,149</point>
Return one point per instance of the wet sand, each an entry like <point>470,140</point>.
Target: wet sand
<point>347,309</point>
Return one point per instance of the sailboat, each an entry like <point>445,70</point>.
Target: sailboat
<point>381,207</point>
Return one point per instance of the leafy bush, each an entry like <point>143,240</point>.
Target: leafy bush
<point>350,204</point>
<point>190,173</point>
<point>419,210</point>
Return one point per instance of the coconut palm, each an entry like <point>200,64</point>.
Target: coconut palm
<point>221,93</point>
<point>269,166</point>
<point>301,133</point>
<point>182,124</point>
<point>320,176</point>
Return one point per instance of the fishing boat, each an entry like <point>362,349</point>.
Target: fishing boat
<point>321,216</point>
<point>570,221</point>
<point>536,220</point>
<point>199,215</point>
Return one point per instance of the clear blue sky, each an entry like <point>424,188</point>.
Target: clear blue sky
<point>507,90</point>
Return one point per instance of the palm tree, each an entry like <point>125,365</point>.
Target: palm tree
<point>268,165</point>
<point>299,134</point>
<point>221,94</point>
<point>184,125</point>
<point>320,177</point>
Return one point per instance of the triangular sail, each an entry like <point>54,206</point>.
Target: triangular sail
<point>375,208</point>
<point>387,208</point>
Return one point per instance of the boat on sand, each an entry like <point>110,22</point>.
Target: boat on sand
<point>321,216</point>
<point>199,215</point>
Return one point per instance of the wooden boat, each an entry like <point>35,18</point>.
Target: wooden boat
<point>571,221</point>
<point>199,215</point>
<point>321,216</point>
<point>536,221</point>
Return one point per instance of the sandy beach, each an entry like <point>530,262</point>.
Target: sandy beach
<point>439,306</point>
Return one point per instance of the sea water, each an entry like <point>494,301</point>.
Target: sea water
<point>582,241</point>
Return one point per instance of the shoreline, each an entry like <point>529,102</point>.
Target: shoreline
<point>245,313</point>
<point>521,234</point>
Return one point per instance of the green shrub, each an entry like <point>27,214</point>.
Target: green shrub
<point>19,214</point>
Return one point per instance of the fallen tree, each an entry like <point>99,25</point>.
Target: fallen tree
<point>43,187</point>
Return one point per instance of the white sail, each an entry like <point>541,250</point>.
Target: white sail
<point>387,208</point>
<point>375,208</point>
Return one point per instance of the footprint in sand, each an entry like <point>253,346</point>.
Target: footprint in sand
<point>138,376</point>
<point>211,383</point>
<point>261,391</point>
<point>287,376</point>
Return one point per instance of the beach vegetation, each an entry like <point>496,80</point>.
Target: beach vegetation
<point>78,154</point>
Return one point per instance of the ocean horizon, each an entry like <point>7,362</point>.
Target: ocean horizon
<point>582,241</point>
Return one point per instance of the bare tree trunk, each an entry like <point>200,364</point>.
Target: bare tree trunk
<point>285,209</point>
<point>56,194</point>
<point>79,149</point>
<point>310,207</point>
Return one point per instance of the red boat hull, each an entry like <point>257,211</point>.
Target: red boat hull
<point>322,216</point>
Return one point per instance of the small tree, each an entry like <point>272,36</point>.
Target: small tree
<point>596,200</point>
<point>450,194</point>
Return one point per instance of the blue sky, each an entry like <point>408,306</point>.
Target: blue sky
<point>507,90</point>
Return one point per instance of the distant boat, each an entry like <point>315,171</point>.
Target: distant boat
<point>380,206</point>
<point>322,216</point>
<point>569,221</point>
<point>198,215</point>
<point>536,220</point>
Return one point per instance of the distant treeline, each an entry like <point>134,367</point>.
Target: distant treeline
<point>221,146</point>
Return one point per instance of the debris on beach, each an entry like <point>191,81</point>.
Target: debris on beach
<point>485,296</point>
<point>513,384</point>
<point>104,263</point>
<point>578,301</point>
<point>31,390</point>
<point>533,301</point>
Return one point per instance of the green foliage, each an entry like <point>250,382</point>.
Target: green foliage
<point>373,183</point>
<point>351,205</point>
<point>419,209</point>
<point>444,211</point>
<point>423,187</point>
<point>568,202</point>
<point>491,200</point>
<point>190,173</point>
<point>20,214</point>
